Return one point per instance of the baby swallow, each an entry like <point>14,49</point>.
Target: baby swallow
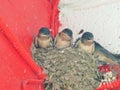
<point>87,43</point>
<point>43,39</point>
<point>63,39</point>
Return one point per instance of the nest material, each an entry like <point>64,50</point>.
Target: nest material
<point>68,69</point>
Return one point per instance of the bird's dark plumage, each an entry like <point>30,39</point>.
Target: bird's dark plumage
<point>68,32</point>
<point>44,31</point>
<point>87,36</point>
<point>99,48</point>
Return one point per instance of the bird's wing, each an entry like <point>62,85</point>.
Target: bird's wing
<point>99,48</point>
<point>36,42</point>
<point>117,55</point>
<point>54,42</point>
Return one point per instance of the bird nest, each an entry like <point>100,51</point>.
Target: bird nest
<point>68,69</point>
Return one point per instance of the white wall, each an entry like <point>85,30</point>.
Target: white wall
<point>101,17</point>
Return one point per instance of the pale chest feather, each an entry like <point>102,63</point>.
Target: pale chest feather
<point>62,43</point>
<point>44,42</point>
<point>90,49</point>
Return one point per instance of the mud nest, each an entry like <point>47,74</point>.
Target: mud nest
<point>68,69</point>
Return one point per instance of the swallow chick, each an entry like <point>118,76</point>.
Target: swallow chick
<point>63,39</point>
<point>43,39</point>
<point>87,43</point>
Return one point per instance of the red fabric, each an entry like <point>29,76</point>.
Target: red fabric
<point>25,17</point>
<point>55,17</point>
<point>115,85</point>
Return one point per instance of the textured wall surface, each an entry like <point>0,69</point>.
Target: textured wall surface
<point>101,17</point>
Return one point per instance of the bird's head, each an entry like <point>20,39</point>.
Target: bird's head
<point>66,34</point>
<point>44,32</point>
<point>87,38</point>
